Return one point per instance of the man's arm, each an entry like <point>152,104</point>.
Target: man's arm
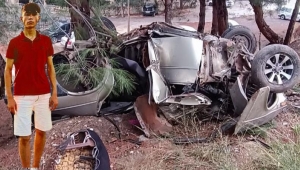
<point>8,77</point>
<point>51,72</point>
<point>52,75</point>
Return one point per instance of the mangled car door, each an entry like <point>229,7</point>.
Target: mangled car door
<point>174,60</point>
<point>159,88</point>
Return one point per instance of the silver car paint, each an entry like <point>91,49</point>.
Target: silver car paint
<point>167,64</point>
<point>257,112</point>
<point>160,90</point>
<point>87,102</point>
<point>179,58</point>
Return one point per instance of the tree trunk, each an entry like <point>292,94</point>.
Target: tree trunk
<point>81,30</point>
<point>214,25</point>
<point>222,16</point>
<point>201,24</point>
<point>262,25</point>
<point>122,8</point>
<point>168,10</point>
<point>2,85</point>
<point>181,4</point>
<point>290,29</point>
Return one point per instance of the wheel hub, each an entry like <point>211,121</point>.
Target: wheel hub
<point>277,68</point>
<point>242,39</point>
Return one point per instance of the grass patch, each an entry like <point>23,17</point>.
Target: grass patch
<point>225,153</point>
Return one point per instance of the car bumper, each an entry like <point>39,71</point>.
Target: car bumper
<point>148,12</point>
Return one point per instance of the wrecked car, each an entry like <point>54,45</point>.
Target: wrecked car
<point>179,72</point>
<point>216,77</point>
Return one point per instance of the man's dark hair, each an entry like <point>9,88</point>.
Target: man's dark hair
<point>31,8</point>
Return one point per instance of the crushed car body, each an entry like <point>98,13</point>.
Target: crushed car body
<point>179,72</point>
<point>213,76</point>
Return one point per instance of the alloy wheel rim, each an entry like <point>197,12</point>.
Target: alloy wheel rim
<point>279,68</point>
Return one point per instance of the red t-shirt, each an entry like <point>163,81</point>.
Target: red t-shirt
<point>30,58</point>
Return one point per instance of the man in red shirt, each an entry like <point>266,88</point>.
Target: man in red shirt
<point>29,52</point>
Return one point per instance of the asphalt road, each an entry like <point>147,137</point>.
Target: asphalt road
<point>241,11</point>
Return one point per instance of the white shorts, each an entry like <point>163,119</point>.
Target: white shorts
<point>42,114</point>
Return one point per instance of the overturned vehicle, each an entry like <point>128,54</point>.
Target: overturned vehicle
<point>215,77</point>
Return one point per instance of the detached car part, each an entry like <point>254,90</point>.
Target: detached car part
<point>88,138</point>
<point>150,120</point>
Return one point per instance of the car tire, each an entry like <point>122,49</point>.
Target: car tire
<point>243,33</point>
<point>276,62</point>
<point>282,17</point>
<point>210,4</point>
<point>107,22</point>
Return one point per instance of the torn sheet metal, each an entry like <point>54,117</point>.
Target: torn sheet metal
<point>257,111</point>
<point>190,99</point>
<point>160,89</point>
<point>238,97</point>
<point>179,58</point>
<point>150,120</point>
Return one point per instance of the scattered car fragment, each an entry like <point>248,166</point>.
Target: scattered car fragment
<point>86,139</point>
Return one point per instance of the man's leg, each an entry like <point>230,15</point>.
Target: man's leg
<point>39,144</point>
<point>42,123</point>
<point>22,127</point>
<point>24,151</point>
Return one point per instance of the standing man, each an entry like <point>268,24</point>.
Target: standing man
<point>29,52</point>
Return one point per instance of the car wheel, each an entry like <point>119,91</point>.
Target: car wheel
<point>276,66</point>
<point>241,33</point>
<point>210,4</point>
<point>54,40</point>
<point>108,23</point>
<point>282,17</point>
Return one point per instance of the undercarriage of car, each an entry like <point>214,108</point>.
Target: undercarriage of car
<point>211,76</point>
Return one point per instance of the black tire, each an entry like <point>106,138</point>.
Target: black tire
<point>210,4</point>
<point>261,63</point>
<point>242,32</point>
<point>282,17</point>
<point>107,22</point>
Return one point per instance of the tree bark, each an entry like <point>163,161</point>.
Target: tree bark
<point>201,24</point>
<point>214,25</point>
<point>262,25</point>
<point>122,8</point>
<point>2,69</point>
<point>168,10</point>
<point>181,4</point>
<point>222,16</point>
<point>291,26</point>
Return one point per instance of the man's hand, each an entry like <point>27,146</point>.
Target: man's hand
<point>53,102</point>
<point>12,105</point>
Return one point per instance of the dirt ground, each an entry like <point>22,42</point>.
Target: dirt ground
<point>127,155</point>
